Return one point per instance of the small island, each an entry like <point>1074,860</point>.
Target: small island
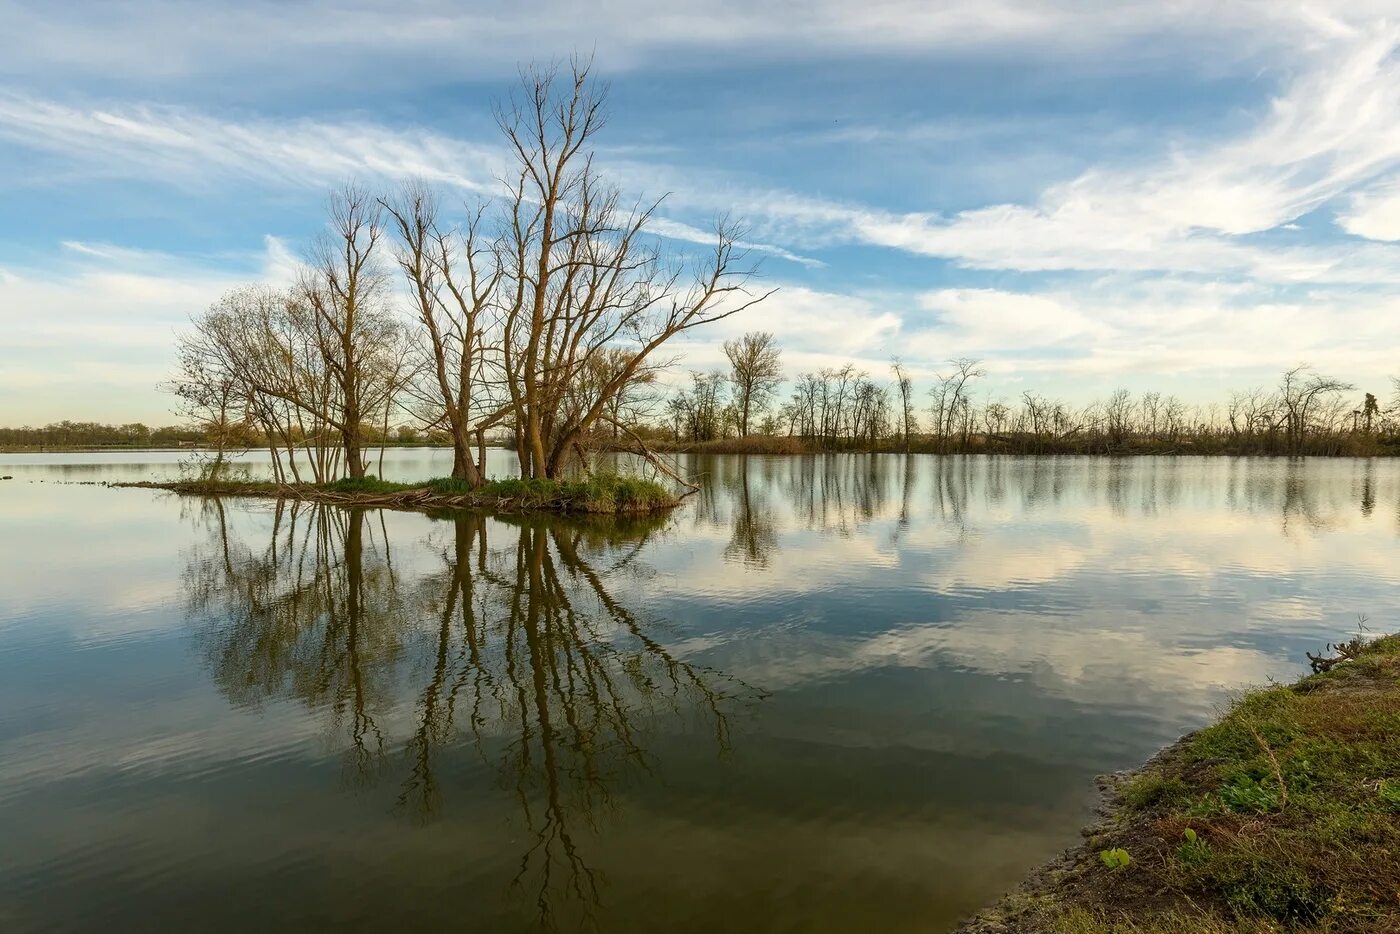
<point>600,494</point>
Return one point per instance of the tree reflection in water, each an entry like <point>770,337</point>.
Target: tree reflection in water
<point>515,644</point>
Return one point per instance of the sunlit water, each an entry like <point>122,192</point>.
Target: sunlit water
<point>829,694</point>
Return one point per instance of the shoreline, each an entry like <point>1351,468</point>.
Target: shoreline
<point>783,446</point>
<point>610,495</point>
<point>1284,814</point>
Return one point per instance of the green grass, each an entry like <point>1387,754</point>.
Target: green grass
<point>1282,816</point>
<point>368,485</point>
<point>599,493</point>
<point>1151,788</point>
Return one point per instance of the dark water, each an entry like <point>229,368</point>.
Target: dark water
<point>830,694</point>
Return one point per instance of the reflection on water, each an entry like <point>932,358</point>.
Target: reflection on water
<point>520,647</point>
<point>836,493</point>
<point>830,693</point>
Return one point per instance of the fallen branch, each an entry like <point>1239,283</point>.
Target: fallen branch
<point>645,452</point>
<point>1346,651</point>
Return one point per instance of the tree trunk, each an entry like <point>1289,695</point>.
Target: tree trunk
<point>463,468</point>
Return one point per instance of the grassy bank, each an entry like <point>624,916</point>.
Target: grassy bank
<point>600,494</point>
<point>1283,816</point>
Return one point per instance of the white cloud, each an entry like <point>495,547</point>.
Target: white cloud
<point>1104,330</point>
<point>1374,214</point>
<point>1122,327</point>
<point>175,144</point>
<point>990,317</point>
<point>675,230</point>
<point>1196,207</point>
<point>91,335</point>
<point>1335,127</point>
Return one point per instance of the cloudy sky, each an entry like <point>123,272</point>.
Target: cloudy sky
<point>1183,195</point>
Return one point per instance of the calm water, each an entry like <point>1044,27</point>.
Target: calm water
<point>829,694</point>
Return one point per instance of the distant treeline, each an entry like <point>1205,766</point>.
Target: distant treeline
<point>68,434</point>
<point>1306,413</point>
<point>844,409</point>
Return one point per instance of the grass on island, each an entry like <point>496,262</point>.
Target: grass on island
<point>600,493</point>
<point>1283,816</point>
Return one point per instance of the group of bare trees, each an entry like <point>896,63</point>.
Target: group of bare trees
<point>541,313</point>
<point>845,408</point>
<point>1307,413</point>
<point>838,407</point>
<point>720,405</point>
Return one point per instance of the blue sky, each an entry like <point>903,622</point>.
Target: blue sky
<point>1184,196</point>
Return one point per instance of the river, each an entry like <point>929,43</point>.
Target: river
<point>829,693</point>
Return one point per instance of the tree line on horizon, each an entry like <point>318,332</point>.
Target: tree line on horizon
<point>844,408</point>
<point>71,434</point>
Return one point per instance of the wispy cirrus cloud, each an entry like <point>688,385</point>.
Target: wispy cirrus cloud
<point>1192,208</point>
<point>181,145</point>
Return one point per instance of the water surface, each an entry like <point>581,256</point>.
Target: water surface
<point>828,694</point>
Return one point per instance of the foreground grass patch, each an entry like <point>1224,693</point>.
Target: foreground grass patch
<point>1283,816</point>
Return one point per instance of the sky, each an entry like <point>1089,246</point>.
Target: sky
<point>1173,195</point>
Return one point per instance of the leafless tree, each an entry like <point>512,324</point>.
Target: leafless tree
<point>697,414</point>
<point>452,274</point>
<point>951,403</point>
<point>344,288</point>
<point>905,387</point>
<point>1118,416</point>
<point>755,372</point>
<point>1308,401</point>
<point>579,275</point>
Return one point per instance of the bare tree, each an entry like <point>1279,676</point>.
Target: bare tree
<point>210,396</point>
<point>905,387</point>
<point>697,413</point>
<point>756,372</point>
<point>452,276</point>
<point>579,276</point>
<point>952,406</point>
<point>1305,397</point>
<point>344,289</point>
<point>1118,416</point>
